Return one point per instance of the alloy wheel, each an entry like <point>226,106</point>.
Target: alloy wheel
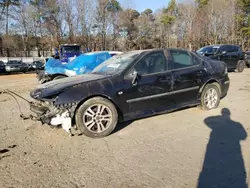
<point>211,98</point>
<point>97,118</point>
<point>242,67</point>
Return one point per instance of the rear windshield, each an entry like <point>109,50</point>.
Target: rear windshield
<point>14,62</point>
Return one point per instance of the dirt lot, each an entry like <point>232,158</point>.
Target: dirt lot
<point>186,148</point>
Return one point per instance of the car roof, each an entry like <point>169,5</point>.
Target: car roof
<point>114,52</point>
<point>70,45</point>
<point>220,45</point>
<point>156,50</point>
<point>14,60</point>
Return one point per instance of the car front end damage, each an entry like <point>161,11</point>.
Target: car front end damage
<point>53,115</point>
<point>45,111</point>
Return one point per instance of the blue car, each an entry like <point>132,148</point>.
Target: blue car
<point>85,63</point>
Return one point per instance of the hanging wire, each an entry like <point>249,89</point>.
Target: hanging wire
<point>13,95</point>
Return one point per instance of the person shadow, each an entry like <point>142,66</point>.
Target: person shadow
<point>223,165</point>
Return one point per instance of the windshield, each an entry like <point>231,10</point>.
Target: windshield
<point>116,64</point>
<point>71,49</point>
<point>208,50</point>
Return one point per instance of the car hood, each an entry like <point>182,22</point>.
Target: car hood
<point>55,87</point>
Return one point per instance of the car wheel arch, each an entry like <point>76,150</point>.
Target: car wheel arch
<point>119,111</point>
<point>211,81</point>
<point>56,75</point>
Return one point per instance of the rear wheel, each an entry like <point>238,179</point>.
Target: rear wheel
<point>59,77</point>
<point>97,117</point>
<point>210,97</point>
<point>240,66</point>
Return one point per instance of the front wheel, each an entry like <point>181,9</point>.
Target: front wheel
<point>240,66</point>
<point>210,97</point>
<point>96,118</point>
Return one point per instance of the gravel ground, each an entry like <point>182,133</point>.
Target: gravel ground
<point>187,148</point>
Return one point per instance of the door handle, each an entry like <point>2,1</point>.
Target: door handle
<point>165,78</point>
<point>177,79</point>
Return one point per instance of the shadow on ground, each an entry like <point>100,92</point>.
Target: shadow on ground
<point>125,124</point>
<point>223,165</point>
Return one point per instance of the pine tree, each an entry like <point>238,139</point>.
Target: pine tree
<point>202,2</point>
<point>243,20</point>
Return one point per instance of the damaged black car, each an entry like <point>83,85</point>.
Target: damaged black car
<point>129,86</point>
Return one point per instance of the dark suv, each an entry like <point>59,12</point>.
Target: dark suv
<point>129,86</point>
<point>232,55</point>
<point>2,67</point>
<point>247,58</point>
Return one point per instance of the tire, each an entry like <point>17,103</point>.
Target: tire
<point>88,120</point>
<point>240,66</point>
<point>205,105</point>
<point>59,77</point>
<point>248,65</point>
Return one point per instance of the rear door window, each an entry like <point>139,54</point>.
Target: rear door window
<point>231,49</point>
<point>236,48</point>
<point>224,48</point>
<point>181,59</point>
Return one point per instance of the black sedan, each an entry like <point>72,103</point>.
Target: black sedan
<point>2,67</point>
<point>16,66</point>
<point>36,65</point>
<point>129,86</point>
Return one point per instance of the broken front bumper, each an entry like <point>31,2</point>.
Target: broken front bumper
<point>49,114</point>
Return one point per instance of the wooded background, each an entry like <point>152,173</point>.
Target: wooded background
<point>42,25</point>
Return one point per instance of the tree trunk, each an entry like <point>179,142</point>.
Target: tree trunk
<point>7,28</point>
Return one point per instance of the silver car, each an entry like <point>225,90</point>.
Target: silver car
<point>16,66</point>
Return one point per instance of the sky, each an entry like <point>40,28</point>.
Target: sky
<point>141,5</point>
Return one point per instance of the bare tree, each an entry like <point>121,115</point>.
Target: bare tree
<point>186,23</point>
<point>128,27</point>
<point>85,19</point>
<point>6,5</point>
<point>53,21</point>
<point>69,16</point>
<point>104,24</point>
<point>24,24</point>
